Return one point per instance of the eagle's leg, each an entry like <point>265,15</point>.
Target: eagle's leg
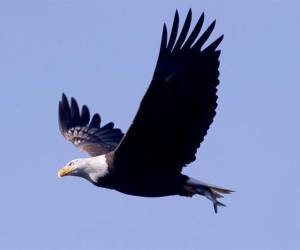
<point>188,190</point>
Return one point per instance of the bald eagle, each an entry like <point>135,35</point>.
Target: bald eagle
<point>171,122</point>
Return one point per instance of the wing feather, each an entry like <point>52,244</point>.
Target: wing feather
<point>87,135</point>
<point>194,33</point>
<point>198,45</point>
<point>173,32</point>
<point>179,105</point>
<point>85,116</point>
<point>184,32</point>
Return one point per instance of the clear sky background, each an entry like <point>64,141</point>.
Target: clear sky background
<point>104,53</point>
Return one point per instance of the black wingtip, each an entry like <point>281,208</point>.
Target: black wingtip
<point>190,13</point>
<point>184,31</point>
<point>174,31</point>
<point>202,15</point>
<point>75,115</point>
<point>74,103</point>
<point>109,125</point>
<point>63,114</point>
<point>198,45</point>
<point>95,122</point>
<point>65,102</point>
<point>63,96</point>
<point>164,39</point>
<point>84,116</point>
<point>212,25</point>
<point>192,37</point>
<point>73,99</point>
<point>214,45</point>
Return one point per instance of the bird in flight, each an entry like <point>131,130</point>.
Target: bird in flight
<point>171,123</point>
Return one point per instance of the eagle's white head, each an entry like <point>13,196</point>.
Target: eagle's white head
<point>91,168</point>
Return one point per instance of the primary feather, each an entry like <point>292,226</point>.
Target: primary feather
<point>180,103</point>
<point>86,134</point>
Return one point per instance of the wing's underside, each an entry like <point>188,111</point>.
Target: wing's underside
<point>179,105</point>
<point>86,133</point>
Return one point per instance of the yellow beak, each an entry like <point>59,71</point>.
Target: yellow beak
<point>64,171</point>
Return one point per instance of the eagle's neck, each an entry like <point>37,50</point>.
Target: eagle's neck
<point>94,168</point>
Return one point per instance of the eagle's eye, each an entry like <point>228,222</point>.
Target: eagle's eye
<point>71,163</point>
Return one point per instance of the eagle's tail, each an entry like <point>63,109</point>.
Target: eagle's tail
<point>211,192</point>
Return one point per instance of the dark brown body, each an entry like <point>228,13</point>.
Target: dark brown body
<point>145,184</point>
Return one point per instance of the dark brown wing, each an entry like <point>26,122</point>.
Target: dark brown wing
<point>87,135</point>
<point>179,105</point>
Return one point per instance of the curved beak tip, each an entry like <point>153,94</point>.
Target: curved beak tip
<point>59,174</point>
<point>62,172</point>
<point>66,170</point>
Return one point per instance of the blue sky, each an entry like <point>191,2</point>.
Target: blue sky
<point>104,53</point>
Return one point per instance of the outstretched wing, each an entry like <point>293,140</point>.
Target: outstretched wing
<point>84,133</point>
<point>179,105</point>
